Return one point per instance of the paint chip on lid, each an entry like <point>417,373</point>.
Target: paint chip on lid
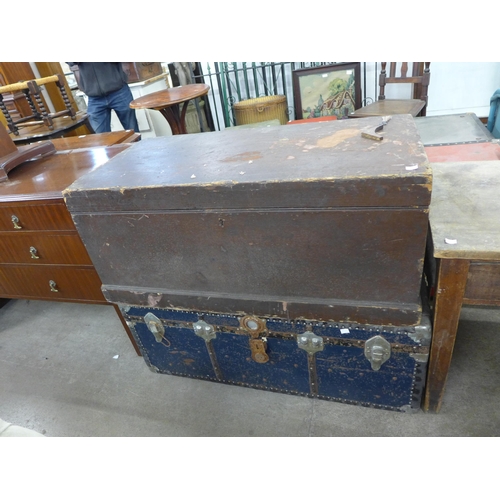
<point>450,241</point>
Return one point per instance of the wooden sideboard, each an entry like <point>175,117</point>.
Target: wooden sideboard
<point>41,254</point>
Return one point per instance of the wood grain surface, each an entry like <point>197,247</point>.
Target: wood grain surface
<point>465,208</point>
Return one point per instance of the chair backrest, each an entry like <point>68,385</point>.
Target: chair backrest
<point>420,78</point>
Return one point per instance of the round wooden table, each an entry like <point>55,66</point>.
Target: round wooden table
<point>168,102</point>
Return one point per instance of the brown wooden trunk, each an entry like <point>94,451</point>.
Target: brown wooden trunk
<point>310,220</point>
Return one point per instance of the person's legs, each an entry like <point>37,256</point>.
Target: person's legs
<point>100,114</point>
<point>120,102</point>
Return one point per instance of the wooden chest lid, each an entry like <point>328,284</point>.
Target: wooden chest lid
<point>315,165</point>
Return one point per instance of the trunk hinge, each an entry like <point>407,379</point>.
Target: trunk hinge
<point>311,343</point>
<point>207,333</point>
<point>204,330</point>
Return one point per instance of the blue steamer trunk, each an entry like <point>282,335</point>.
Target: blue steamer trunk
<point>275,355</point>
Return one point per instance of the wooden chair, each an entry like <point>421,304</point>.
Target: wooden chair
<point>40,124</point>
<point>416,106</point>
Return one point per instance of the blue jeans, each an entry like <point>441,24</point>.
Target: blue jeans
<point>99,110</point>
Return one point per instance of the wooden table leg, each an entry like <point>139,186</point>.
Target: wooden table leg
<point>451,282</point>
<point>127,329</point>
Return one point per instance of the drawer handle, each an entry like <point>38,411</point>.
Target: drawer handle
<point>33,252</point>
<point>53,286</point>
<point>15,221</point>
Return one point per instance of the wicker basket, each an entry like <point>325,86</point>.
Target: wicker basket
<point>261,109</point>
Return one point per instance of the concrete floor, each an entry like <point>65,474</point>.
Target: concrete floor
<point>70,370</point>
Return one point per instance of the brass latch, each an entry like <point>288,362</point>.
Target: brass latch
<point>155,326</point>
<point>377,351</point>
<point>253,325</point>
<point>258,349</point>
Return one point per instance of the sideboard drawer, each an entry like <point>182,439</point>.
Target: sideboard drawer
<point>50,282</point>
<point>39,247</point>
<point>46,217</point>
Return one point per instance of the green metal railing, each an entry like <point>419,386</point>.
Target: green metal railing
<point>231,82</point>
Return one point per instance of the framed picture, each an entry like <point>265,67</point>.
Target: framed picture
<point>327,90</point>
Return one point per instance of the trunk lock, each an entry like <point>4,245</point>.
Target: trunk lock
<point>253,325</point>
<point>377,351</point>
<point>258,349</point>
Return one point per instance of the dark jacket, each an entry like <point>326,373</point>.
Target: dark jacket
<point>97,79</point>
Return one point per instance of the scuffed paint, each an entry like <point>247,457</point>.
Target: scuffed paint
<point>247,156</point>
<point>153,300</point>
<point>335,139</point>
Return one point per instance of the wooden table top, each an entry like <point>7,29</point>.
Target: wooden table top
<point>168,97</point>
<point>47,177</point>
<point>390,107</point>
<point>454,129</point>
<point>95,140</point>
<point>465,210</point>
<point>91,140</point>
<point>464,152</point>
